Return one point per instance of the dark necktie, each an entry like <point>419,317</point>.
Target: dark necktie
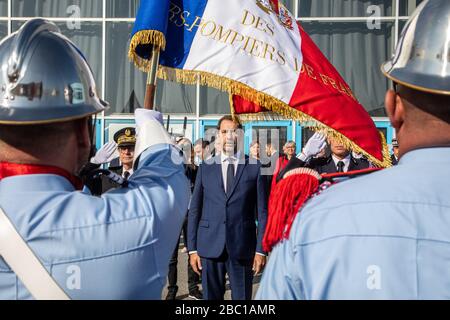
<point>230,175</point>
<point>126,175</point>
<point>340,166</point>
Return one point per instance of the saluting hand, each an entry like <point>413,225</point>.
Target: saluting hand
<point>106,153</point>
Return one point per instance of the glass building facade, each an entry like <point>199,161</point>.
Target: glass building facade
<point>355,35</point>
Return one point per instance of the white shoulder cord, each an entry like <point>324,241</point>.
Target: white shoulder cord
<point>21,259</point>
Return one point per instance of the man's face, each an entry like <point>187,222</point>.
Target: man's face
<point>198,151</point>
<point>254,150</point>
<point>395,150</point>
<point>228,136</point>
<point>126,155</point>
<point>186,147</point>
<point>338,149</point>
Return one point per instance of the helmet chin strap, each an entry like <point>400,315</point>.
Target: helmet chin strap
<point>91,128</point>
<point>91,125</point>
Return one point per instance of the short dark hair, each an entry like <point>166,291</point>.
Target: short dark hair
<point>431,103</point>
<point>229,118</point>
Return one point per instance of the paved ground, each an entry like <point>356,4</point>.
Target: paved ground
<point>182,280</point>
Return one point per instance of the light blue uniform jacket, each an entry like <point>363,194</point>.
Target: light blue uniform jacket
<point>382,236</point>
<point>113,247</point>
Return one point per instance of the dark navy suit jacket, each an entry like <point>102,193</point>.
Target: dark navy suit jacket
<point>217,219</point>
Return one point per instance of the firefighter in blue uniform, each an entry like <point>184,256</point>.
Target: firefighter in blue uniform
<point>116,246</point>
<point>384,235</point>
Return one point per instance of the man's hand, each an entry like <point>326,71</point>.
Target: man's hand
<point>314,145</point>
<point>106,153</point>
<point>258,263</point>
<point>196,264</point>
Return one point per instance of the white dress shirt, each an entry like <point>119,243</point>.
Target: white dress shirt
<point>129,171</point>
<point>346,161</point>
<point>225,162</point>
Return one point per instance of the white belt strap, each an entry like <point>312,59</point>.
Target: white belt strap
<point>21,259</point>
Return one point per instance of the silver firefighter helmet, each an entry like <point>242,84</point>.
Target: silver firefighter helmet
<point>44,77</point>
<point>422,57</point>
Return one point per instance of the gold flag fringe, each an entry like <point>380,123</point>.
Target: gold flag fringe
<point>144,37</point>
<point>270,103</point>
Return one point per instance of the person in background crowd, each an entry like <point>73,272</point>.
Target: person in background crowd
<point>201,151</point>
<point>394,156</point>
<point>217,146</point>
<point>193,278</point>
<point>272,152</point>
<point>254,150</point>
<point>288,154</point>
<point>340,160</point>
<point>125,141</point>
<point>269,164</point>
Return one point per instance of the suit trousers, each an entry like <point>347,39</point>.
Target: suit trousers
<point>239,272</point>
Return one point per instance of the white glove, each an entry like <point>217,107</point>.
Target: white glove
<point>314,145</point>
<point>106,153</point>
<point>149,130</point>
<point>142,115</point>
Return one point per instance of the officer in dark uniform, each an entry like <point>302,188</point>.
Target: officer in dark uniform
<point>123,165</point>
<point>394,156</point>
<point>339,160</point>
<point>125,139</point>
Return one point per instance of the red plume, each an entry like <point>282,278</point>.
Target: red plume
<point>286,199</point>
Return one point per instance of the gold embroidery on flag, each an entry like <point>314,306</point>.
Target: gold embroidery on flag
<point>270,103</point>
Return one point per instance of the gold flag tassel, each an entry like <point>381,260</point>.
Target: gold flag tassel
<point>145,37</point>
<point>268,102</point>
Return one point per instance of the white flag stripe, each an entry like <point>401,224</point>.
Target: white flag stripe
<point>243,42</point>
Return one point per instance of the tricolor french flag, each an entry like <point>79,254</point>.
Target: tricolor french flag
<point>257,52</point>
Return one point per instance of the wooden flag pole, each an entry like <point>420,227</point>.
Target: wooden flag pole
<point>151,79</point>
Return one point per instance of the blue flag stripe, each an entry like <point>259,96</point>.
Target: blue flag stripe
<point>186,14</point>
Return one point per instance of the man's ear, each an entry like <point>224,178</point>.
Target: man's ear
<point>395,109</point>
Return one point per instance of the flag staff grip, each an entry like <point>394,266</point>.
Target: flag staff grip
<point>151,79</point>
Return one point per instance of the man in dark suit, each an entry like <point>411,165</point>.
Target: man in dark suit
<point>222,234</point>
